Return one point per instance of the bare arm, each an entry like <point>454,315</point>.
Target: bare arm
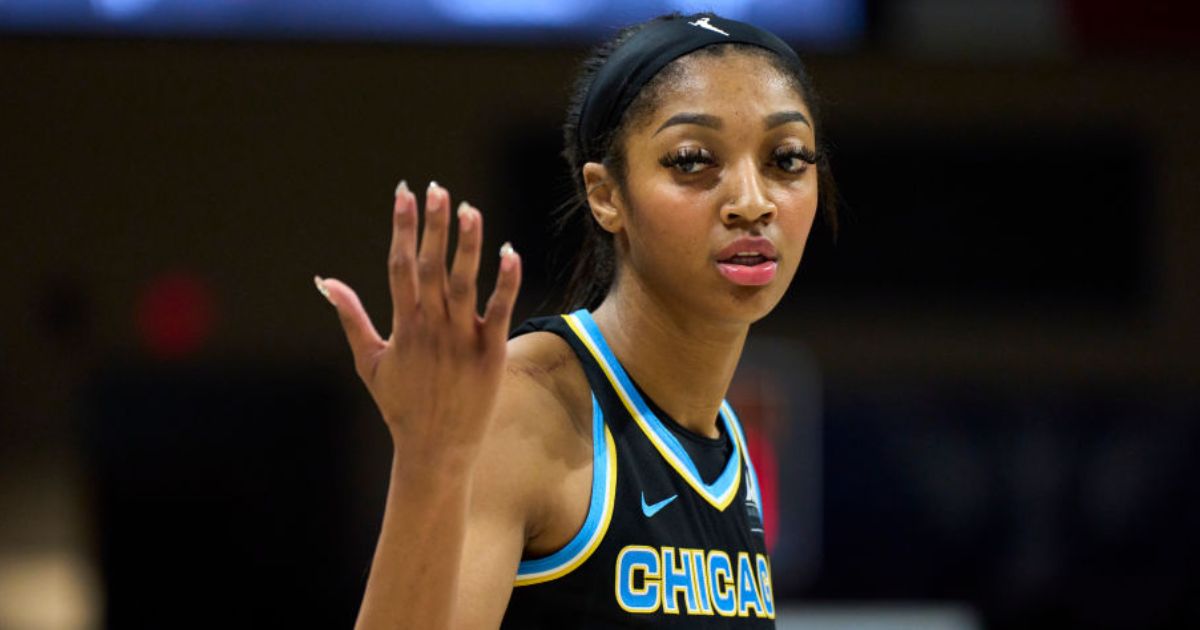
<point>533,453</point>
<point>435,380</point>
<point>510,475</point>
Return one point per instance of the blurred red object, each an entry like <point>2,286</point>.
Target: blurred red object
<point>175,314</point>
<point>766,464</point>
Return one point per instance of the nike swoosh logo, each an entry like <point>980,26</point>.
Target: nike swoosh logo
<point>651,510</point>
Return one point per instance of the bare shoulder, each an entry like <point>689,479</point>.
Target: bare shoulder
<point>543,410</point>
<point>544,376</point>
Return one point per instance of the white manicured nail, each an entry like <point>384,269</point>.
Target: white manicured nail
<point>322,288</point>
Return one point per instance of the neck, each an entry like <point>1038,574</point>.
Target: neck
<point>683,363</point>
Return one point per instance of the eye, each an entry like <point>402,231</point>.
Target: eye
<point>794,158</point>
<point>687,160</point>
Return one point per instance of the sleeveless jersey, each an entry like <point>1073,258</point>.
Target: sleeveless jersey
<point>659,545</point>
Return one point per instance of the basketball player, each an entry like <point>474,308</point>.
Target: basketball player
<point>587,473</point>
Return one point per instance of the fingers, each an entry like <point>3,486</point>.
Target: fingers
<point>418,279</point>
<point>364,340</point>
<point>431,260</point>
<point>498,316</point>
<point>402,272</point>
<point>460,299</point>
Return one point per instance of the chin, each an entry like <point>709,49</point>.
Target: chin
<point>738,305</point>
<point>750,304</point>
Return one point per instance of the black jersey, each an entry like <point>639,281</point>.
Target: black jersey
<point>660,545</point>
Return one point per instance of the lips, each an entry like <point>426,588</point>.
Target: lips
<point>748,261</point>
<point>748,250</point>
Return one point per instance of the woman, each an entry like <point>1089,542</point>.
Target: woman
<point>586,473</point>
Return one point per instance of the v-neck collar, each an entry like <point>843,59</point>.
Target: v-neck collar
<point>721,491</point>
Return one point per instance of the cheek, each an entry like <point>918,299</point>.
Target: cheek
<point>797,212</point>
<point>667,231</point>
<point>799,204</point>
<point>666,220</point>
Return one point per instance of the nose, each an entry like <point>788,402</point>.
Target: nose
<point>747,201</point>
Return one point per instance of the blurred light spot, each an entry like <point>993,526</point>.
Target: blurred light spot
<point>47,590</point>
<point>175,314</point>
<point>122,8</point>
<point>515,12</point>
<point>733,9</point>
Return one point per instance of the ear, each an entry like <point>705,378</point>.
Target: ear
<point>603,197</point>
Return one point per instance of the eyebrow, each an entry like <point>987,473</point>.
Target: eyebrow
<point>714,122</point>
<point>691,118</point>
<point>781,118</point>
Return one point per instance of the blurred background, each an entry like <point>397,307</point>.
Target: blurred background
<point>979,408</point>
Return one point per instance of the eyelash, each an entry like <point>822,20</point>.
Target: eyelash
<point>686,157</point>
<point>796,152</point>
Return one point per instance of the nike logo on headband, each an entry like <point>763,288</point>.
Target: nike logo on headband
<point>703,23</point>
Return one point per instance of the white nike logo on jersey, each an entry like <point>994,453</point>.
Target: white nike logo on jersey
<point>703,23</point>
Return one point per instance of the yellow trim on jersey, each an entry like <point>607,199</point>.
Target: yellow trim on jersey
<point>597,534</point>
<point>720,502</point>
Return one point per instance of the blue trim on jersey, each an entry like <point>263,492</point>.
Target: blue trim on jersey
<point>741,437</point>
<point>599,512</point>
<point>729,476</point>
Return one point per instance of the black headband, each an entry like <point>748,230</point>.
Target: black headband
<point>636,61</point>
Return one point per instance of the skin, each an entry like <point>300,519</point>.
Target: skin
<point>480,480</point>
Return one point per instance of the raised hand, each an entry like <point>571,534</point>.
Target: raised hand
<point>435,378</point>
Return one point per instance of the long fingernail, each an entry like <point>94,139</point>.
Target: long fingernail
<point>402,187</point>
<point>465,216</point>
<point>323,289</point>
<point>431,207</point>
<point>508,257</point>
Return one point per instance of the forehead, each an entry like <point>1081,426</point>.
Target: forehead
<point>736,82</point>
